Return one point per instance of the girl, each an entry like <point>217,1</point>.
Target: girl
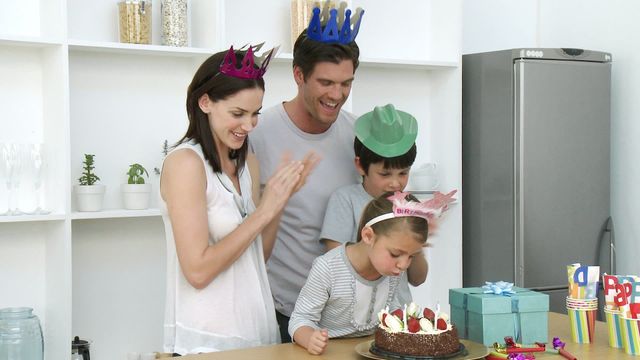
<point>349,284</point>
<point>218,295</point>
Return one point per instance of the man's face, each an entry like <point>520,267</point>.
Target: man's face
<point>325,90</point>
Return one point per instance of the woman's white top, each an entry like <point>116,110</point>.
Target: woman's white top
<point>236,309</point>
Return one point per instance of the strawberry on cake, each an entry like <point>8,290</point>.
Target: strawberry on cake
<point>415,332</point>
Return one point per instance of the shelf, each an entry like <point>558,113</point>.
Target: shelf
<point>160,50</point>
<point>409,64</point>
<point>422,192</point>
<point>33,218</point>
<point>29,41</point>
<point>136,49</point>
<point>106,214</point>
<point>392,63</point>
<point>115,213</point>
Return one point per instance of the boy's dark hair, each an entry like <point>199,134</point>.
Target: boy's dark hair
<point>307,53</point>
<point>368,157</point>
<point>207,80</point>
<point>382,205</point>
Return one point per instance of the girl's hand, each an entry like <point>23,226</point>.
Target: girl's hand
<point>280,187</point>
<point>318,342</point>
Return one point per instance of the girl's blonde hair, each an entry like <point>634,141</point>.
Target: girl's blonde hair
<point>382,205</point>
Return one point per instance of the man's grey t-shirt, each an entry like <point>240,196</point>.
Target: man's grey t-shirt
<point>297,243</point>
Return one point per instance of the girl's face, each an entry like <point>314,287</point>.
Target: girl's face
<point>391,253</point>
<point>233,118</point>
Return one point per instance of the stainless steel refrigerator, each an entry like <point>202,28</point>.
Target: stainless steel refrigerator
<point>535,180</point>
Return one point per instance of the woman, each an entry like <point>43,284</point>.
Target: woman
<point>218,295</point>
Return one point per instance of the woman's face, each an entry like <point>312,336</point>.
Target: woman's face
<point>391,253</point>
<point>233,118</point>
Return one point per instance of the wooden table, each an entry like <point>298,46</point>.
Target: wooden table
<point>345,348</point>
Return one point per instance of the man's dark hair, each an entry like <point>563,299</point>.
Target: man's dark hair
<point>307,53</point>
<point>368,157</point>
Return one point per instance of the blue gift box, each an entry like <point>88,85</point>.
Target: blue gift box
<point>488,318</point>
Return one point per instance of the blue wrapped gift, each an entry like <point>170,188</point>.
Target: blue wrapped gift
<point>489,317</point>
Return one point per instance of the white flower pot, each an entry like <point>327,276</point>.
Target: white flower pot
<point>136,196</point>
<point>89,197</point>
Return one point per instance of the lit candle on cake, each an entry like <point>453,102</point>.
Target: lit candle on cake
<point>404,316</point>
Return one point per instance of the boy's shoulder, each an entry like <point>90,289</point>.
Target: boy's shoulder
<point>347,190</point>
<point>351,193</point>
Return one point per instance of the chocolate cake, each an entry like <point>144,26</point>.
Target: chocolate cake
<point>406,343</point>
<point>416,333</point>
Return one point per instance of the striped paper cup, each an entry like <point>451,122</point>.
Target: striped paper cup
<point>583,304</point>
<point>583,322</point>
<point>631,336</point>
<point>614,325</point>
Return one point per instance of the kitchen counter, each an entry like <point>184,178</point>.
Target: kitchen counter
<point>345,348</point>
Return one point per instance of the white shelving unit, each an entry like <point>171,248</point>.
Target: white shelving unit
<point>68,83</point>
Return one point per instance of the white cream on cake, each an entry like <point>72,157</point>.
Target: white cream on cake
<point>393,323</point>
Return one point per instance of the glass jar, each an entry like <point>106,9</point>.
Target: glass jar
<point>301,14</point>
<point>20,335</point>
<point>174,22</point>
<point>135,21</point>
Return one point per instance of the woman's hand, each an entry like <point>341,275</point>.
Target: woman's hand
<point>280,186</point>
<point>309,161</point>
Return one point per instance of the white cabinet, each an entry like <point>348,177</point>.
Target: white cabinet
<point>68,83</point>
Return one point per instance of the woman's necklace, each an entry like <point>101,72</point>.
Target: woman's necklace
<point>232,189</point>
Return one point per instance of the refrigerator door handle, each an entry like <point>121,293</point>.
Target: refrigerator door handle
<point>550,288</point>
<point>607,229</point>
<point>612,245</point>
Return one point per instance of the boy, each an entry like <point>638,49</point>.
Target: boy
<point>385,149</point>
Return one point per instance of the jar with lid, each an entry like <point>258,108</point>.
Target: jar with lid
<point>174,15</point>
<point>20,334</point>
<point>80,349</point>
<point>135,21</point>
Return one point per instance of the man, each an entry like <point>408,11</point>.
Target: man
<point>323,69</point>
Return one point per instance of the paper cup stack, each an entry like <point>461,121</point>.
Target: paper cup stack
<point>614,326</point>
<point>582,302</point>
<point>612,311</point>
<point>631,335</point>
<point>622,322</point>
<point>582,314</point>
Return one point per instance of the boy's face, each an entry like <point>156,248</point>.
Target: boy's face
<point>379,180</point>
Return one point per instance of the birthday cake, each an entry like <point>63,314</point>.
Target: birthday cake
<point>414,332</point>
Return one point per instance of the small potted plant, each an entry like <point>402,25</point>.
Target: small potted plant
<point>136,193</point>
<point>89,195</point>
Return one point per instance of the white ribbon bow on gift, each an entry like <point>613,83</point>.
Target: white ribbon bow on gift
<point>498,288</point>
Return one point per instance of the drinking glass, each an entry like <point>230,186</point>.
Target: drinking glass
<point>9,155</point>
<point>4,178</point>
<point>38,167</point>
<point>18,155</point>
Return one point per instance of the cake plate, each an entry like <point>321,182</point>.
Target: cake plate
<point>468,350</point>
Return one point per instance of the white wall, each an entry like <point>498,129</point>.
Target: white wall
<point>590,24</point>
<point>489,25</point>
